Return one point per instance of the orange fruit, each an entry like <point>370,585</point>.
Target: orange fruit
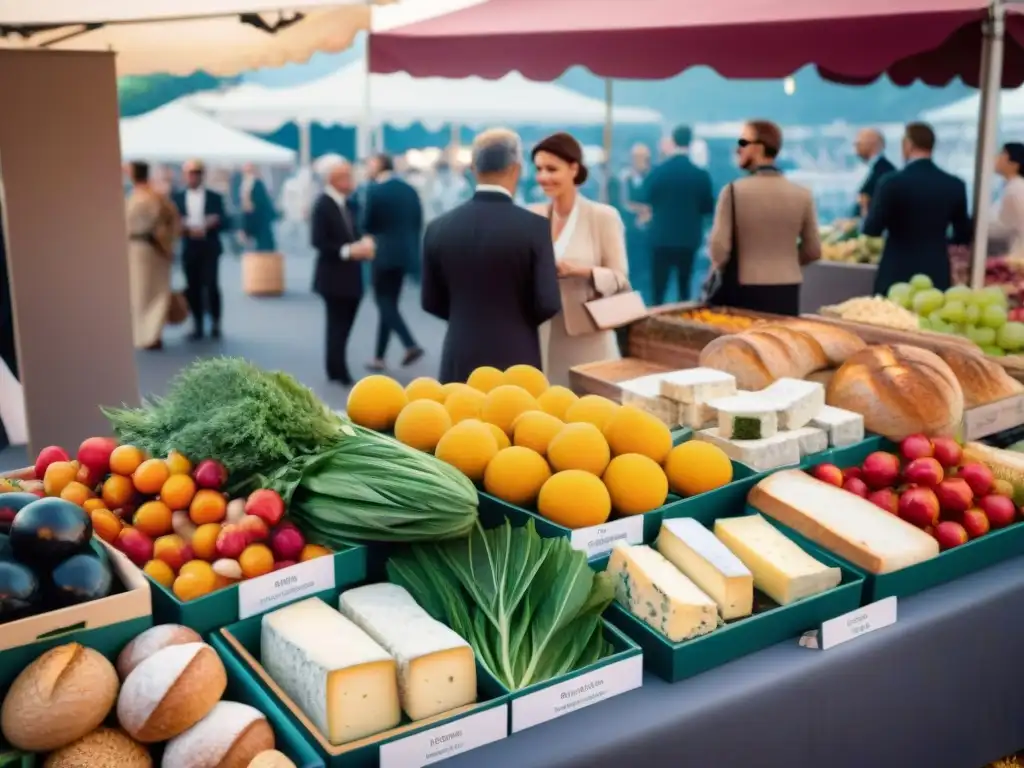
<point>58,475</point>
<point>160,572</point>
<point>117,491</point>
<point>125,459</point>
<point>93,504</point>
<point>150,476</point>
<point>177,491</point>
<point>312,550</point>
<point>256,560</point>
<point>208,506</point>
<point>178,464</point>
<point>153,518</point>
<point>204,541</point>
<point>76,493</point>
<point>195,579</point>
<point>105,524</point>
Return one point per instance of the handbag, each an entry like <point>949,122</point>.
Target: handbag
<point>177,308</point>
<point>718,286</point>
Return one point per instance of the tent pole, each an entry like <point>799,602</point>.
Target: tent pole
<point>305,144</point>
<point>366,141</point>
<point>990,83</point>
<point>609,124</point>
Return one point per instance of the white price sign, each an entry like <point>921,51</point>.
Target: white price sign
<point>259,595</point>
<point>994,417</point>
<point>577,692</point>
<point>598,540</point>
<point>446,740</point>
<point>854,624</point>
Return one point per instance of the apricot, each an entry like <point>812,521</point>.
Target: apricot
<point>90,504</point>
<point>256,560</point>
<point>173,550</point>
<point>208,506</point>
<point>177,491</point>
<point>125,459</point>
<point>76,493</point>
<point>160,572</point>
<point>195,579</point>
<point>178,464</point>
<point>204,541</point>
<point>105,524</point>
<point>150,476</point>
<point>58,475</point>
<point>117,491</point>
<point>313,550</point>
<point>153,518</point>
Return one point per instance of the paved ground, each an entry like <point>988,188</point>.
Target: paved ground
<point>285,333</point>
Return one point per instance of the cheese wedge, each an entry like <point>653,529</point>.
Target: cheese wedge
<point>655,592</point>
<point>780,450</point>
<point>745,417</point>
<point>645,393</point>
<point>841,522</point>
<point>843,427</point>
<point>695,551</point>
<point>796,401</point>
<point>436,667</point>
<point>781,569</point>
<point>343,681</point>
<point>697,385</point>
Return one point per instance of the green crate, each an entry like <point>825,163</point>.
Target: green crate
<point>848,454</point>
<point>220,608</point>
<point>677,661</point>
<point>242,640</point>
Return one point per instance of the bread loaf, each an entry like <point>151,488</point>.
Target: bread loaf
<point>805,353</point>
<point>102,747</point>
<point>838,343</point>
<point>271,759</point>
<point>171,691</point>
<point>982,380</point>
<point>900,390</point>
<point>755,360</point>
<point>231,736</point>
<point>58,698</point>
<point>149,642</point>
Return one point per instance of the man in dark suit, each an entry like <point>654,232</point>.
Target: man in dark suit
<point>202,219</point>
<point>915,208</point>
<point>870,147</point>
<point>338,277</point>
<point>393,216</point>
<point>678,195</point>
<point>489,268</point>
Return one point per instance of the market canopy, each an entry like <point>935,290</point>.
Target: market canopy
<point>174,134</point>
<point>1011,107</point>
<point>401,100</point>
<point>851,41</point>
<point>179,37</point>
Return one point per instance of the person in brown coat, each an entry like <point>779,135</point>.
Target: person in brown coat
<point>765,230</point>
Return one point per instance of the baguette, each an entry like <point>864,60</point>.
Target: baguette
<point>982,380</point>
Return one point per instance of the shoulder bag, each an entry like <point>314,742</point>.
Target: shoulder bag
<point>719,285</point>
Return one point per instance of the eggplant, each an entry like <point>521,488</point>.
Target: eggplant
<point>80,579</point>
<point>49,531</point>
<point>11,504</point>
<point>19,590</point>
<point>6,553</point>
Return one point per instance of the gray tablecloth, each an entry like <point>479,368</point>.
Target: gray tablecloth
<point>943,688</point>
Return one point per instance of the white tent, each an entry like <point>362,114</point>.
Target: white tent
<point>966,110</point>
<point>401,100</point>
<point>221,37</point>
<point>173,134</point>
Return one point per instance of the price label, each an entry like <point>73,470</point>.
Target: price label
<point>598,540</point>
<point>856,623</point>
<point>994,417</point>
<point>446,740</point>
<point>259,595</point>
<point>577,692</point>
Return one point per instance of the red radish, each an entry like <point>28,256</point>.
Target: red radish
<point>916,447</point>
<point>979,477</point>
<point>856,486</point>
<point>954,495</point>
<point>999,510</point>
<point>267,505</point>
<point>210,474</point>
<point>94,453</point>
<point>920,507</point>
<point>47,456</point>
<point>927,472</point>
<point>947,451</point>
<point>880,470</point>
<point>885,498</point>
<point>950,534</point>
<point>828,473</point>
<point>286,542</point>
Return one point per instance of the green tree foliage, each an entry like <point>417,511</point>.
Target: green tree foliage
<point>139,94</point>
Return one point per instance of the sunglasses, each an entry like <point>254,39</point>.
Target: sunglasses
<point>744,143</point>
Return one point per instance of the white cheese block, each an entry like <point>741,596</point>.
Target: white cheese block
<point>696,415</point>
<point>841,522</point>
<point>842,427</point>
<point>781,569</point>
<point>695,551</point>
<point>780,450</point>
<point>697,385</point>
<point>811,439</point>
<point>645,393</point>
<point>343,681</point>
<point>436,667</point>
<point>796,401</point>
<point>745,417</point>
<point>658,594</point>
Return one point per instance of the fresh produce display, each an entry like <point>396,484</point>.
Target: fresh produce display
<point>875,310</point>
<point>979,315</point>
<point>341,483</point>
<point>67,701</point>
<point>842,242</point>
<point>594,458</point>
<point>949,492</point>
<point>505,584</point>
<point>719,318</point>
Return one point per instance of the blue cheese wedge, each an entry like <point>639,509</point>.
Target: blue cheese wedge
<point>796,401</point>
<point>745,417</point>
<point>697,385</point>
<point>645,393</point>
<point>811,439</point>
<point>779,450</point>
<point>842,427</point>
<point>341,678</point>
<point>658,594</point>
<point>781,569</point>
<point>695,551</point>
<point>436,667</point>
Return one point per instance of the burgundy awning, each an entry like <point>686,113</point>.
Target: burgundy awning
<point>851,41</point>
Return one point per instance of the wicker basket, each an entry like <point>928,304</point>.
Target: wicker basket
<point>263,274</point>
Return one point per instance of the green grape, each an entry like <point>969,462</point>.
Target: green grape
<point>993,316</point>
<point>924,323</point>
<point>921,282</point>
<point>927,301</point>
<point>1011,337</point>
<point>901,293</point>
<point>954,311</point>
<point>972,313</point>
<point>993,295</point>
<point>994,351</point>
<point>958,293</point>
<point>983,337</point>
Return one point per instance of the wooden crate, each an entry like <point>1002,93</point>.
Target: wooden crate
<point>603,378</point>
<point>876,334</point>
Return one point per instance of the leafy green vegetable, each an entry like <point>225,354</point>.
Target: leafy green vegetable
<point>370,487</point>
<point>530,607</point>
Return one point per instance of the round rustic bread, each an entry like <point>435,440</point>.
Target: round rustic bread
<point>982,380</point>
<point>102,747</point>
<point>58,698</point>
<point>838,343</point>
<point>271,759</point>
<point>171,691</point>
<point>149,642</point>
<point>231,736</point>
<point>900,390</point>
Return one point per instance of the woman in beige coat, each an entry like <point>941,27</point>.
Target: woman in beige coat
<point>152,230</point>
<point>590,251</point>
